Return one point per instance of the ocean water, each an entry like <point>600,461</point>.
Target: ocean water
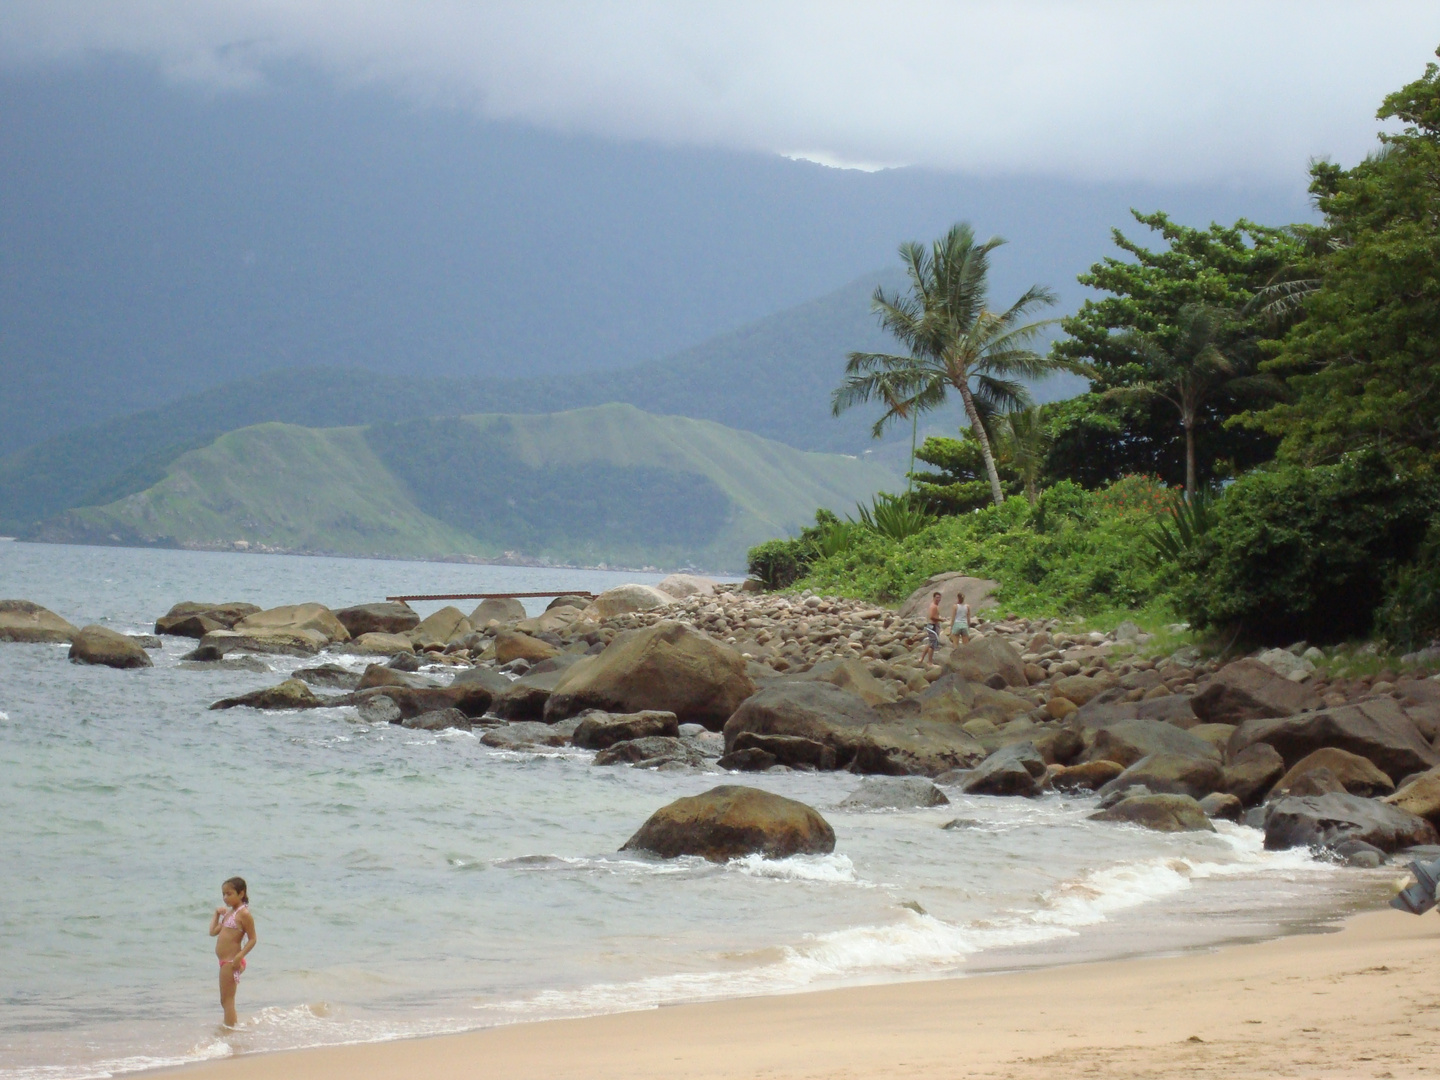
<point>408,883</point>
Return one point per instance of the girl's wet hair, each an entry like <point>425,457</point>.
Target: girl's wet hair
<point>238,884</point>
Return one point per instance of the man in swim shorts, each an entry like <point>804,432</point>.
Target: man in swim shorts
<point>932,633</point>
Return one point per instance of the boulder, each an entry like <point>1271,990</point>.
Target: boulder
<point>894,793</point>
<point>412,701</point>
<point>1217,735</point>
<point>1012,770</point>
<point>1420,795</point>
<point>101,645</point>
<point>1171,708</point>
<point>1319,781</point>
<point>489,678</point>
<point>1286,664</point>
<point>649,752</point>
<point>731,821</point>
<point>850,675</point>
<point>1220,806</point>
<point>378,709</point>
<point>1377,729</point>
<point>598,730</point>
<point>625,599</point>
<point>526,697</point>
<point>951,699</point>
<point>330,676</point>
<point>984,657</point>
<point>290,694</point>
<point>219,643</point>
<point>1253,772</point>
<point>1355,774</point>
<point>579,601</point>
<point>440,628</point>
<point>1078,688</point>
<point>438,720</point>
<point>669,666</point>
<point>1163,813</point>
<point>753,752</point>
<point>296,617</point>
<point>862,739</point>
<point>526,735</point>
<point>513,645</point>
<point>1250,690</point>
<point>22,621</point>
<point>1171,774</point>
<point>1086,776</point>
<point>390,617</point>
<point>194,619</point>
<point>1321,821</point>
<point>1127,741</point>
<point>684,586</point>
<point>554,620</point>
<point>375,643</point>
<point>384,675</point>
<point>950,585</point>
<point>497,609</point>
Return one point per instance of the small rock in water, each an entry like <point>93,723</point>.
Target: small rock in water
<point>730,821</point>
<point>332,676</point>
<point>290,694</point>
<point>101,645</point>
<point>438,720</point>
<point>894,793</point>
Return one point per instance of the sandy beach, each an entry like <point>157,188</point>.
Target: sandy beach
<point>1363,1001</point>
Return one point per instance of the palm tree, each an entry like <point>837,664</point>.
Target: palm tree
<point>1024,443</point>
<point>1184,375</point>
<point>955,341</point>
<point>898,382</point>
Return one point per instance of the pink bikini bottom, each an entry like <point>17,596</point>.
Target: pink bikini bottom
<point>239,967</point>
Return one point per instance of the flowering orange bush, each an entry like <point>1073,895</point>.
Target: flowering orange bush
<point>1137,494</point>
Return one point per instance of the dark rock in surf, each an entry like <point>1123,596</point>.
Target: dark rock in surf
<point>731,821</point>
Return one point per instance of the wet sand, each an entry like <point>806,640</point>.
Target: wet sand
<point>1360,1002</point>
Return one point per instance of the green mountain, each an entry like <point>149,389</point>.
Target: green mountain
<point>609,484</point>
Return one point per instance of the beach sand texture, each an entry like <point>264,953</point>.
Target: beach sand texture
<point>1363,1002</point>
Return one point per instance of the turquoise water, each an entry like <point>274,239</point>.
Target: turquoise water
<point>405,883</point>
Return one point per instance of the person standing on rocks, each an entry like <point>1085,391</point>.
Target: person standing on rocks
<point>932,633</point>
<point>960,621</point>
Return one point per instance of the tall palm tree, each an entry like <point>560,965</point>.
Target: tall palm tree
<point>1023,444</point>
<point>1185,375</point>
<point>955,341</point>
<point>898,383</point>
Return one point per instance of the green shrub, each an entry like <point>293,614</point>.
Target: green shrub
<point>1300,552</point>
<point>1409,617</point>
<point>778,564</point>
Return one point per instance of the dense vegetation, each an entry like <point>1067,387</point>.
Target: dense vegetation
<point>1279,387</point>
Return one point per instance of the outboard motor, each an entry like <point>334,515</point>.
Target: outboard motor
<point>1420,897</point>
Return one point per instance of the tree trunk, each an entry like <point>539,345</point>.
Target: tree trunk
<point>984,441</point>
<point>914,427</point>
<point>1189,460</point>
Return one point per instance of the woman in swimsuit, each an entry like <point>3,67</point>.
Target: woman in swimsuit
<point>231,924</point>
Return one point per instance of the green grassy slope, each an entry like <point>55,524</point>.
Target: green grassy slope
<point>606,484</point>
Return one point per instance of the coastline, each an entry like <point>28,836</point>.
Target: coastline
<point>1358,1001</point>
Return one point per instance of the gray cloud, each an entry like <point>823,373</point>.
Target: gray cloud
<point>1158,91</point>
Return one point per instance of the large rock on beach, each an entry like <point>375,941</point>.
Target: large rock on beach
<point>218,643</point>
<point>1420,795</point>
<point>1012,770</point>
<point>731,821</point>
<point>1171,708</point>
<point>101,645</point>
<point>375,643</point>
<point>669,666</point>
<point>512,645</point>
<point>195,619</point>
<point>598,730</point>
<point>290,694</point>
<point>1355,774</point>
<point>489,678</point>
<point>850,675</point>
<point>501,609</point>
<point>1376,729</point>
<point>1250,690</point>
<point>1324,821</point>
<point>1086,776</point>
<point>1079,689</point>
<point>976,592</point>
<point>23,621</point>
<point>684,586</point>
<point>894,793</point>
<point>526,697</point>
<point>1127,741</point>
<point>296,617</point>
<point>625,599</point>
<point>1163,813</point>
<point>863,741</point>
<point>951,699</point>
<point>754,753</point>
<point>986,658</point>
<point>1171,774</point>
<point>390,617</point>
<point>330,676</point>
<point>1253,772</point>
<point>444,626</point>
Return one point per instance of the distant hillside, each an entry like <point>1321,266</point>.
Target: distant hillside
<point>610,484</point>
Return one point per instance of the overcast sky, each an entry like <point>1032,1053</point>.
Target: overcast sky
<point>1159,91</point>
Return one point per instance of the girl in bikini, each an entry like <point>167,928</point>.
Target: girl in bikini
<point>230,926</point>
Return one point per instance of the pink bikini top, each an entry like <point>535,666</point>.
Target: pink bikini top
<point>228,922</point>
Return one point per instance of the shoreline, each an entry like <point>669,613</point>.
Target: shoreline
<point>1351,1002</point>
